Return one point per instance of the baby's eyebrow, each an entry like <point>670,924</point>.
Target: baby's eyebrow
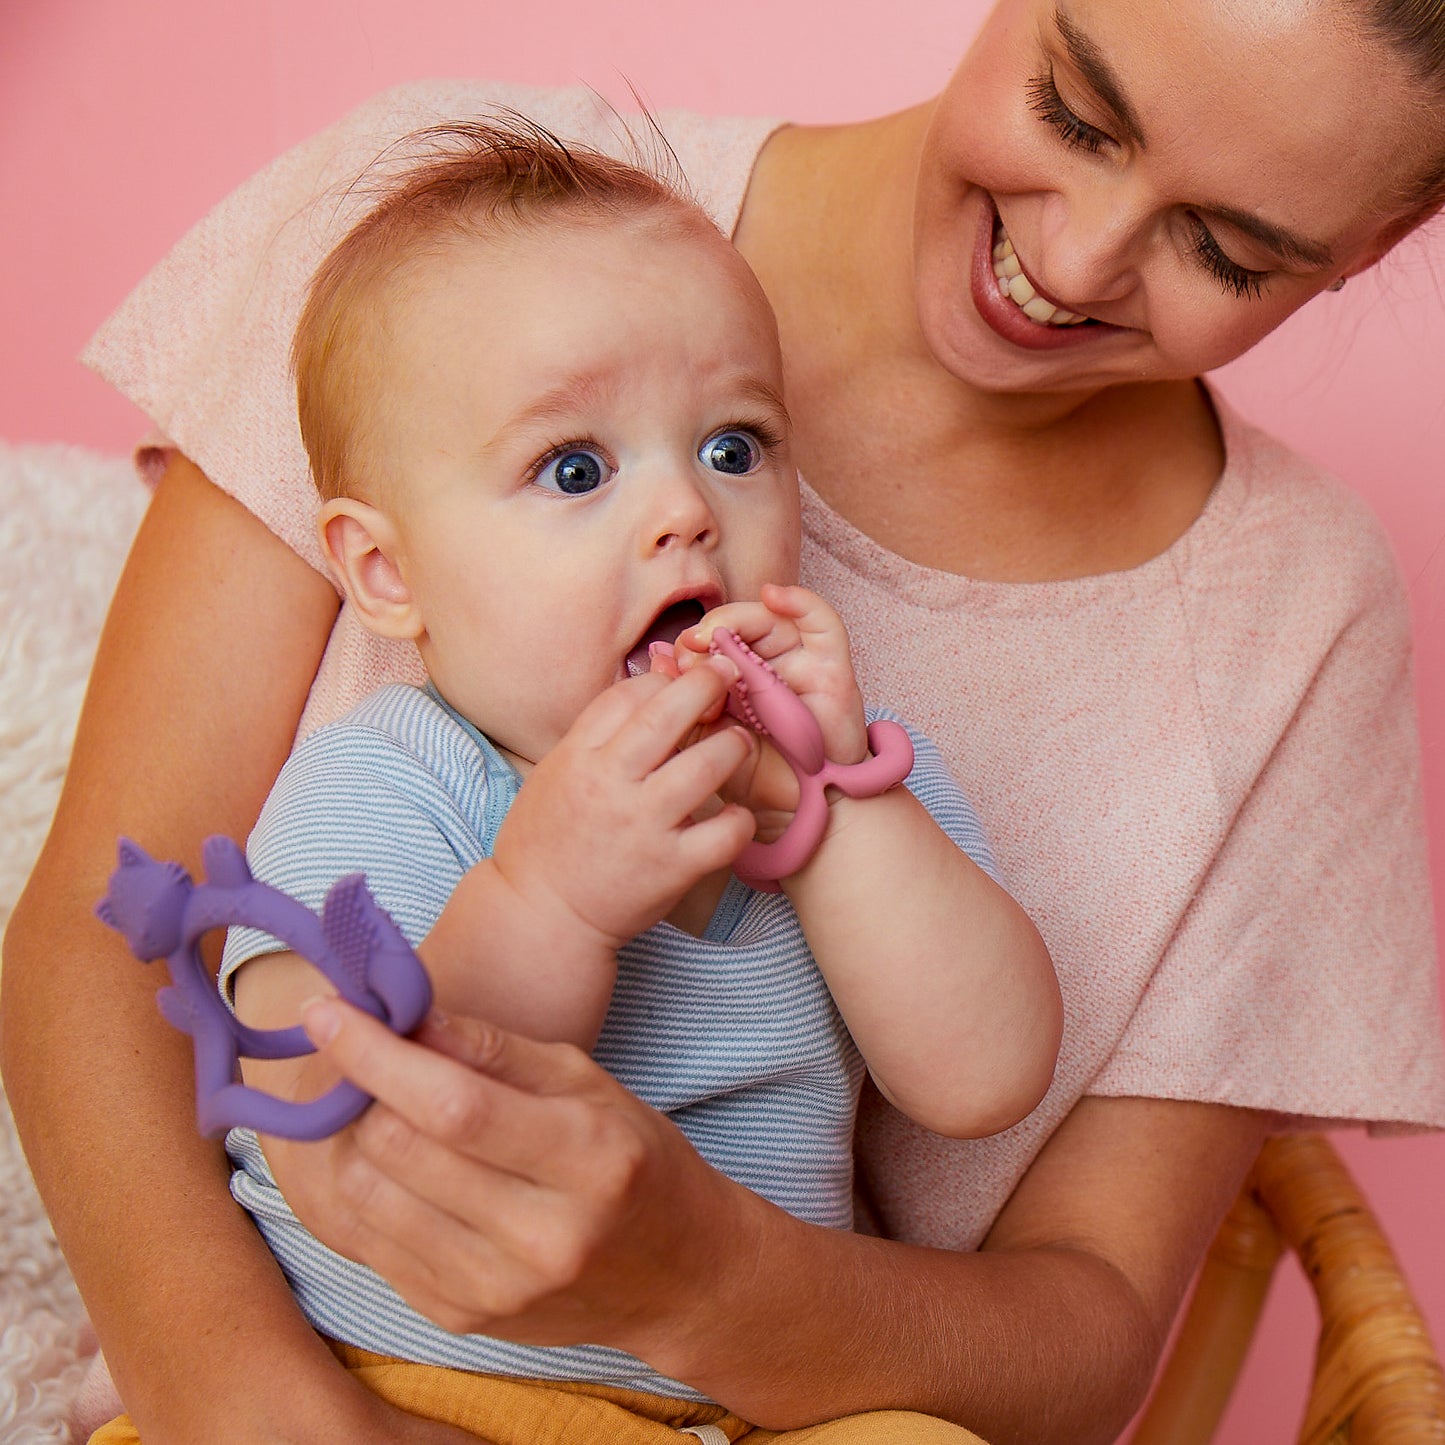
<point>582,391</point>
<point>754,388</point>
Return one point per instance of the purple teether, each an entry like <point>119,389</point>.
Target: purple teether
<point>163,914</point>
<point>762,700</point>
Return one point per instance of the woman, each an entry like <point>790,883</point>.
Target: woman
<point>1156,647</point>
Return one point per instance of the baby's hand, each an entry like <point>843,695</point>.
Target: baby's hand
<point>603,831</point>
<point>803,639</point>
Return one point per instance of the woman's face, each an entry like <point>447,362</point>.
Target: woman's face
<point>1183,173</point>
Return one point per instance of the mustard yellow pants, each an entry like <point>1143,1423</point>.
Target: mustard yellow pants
<point>504,1411</point>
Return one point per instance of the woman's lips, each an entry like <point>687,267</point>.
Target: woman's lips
<point>1003,316</point>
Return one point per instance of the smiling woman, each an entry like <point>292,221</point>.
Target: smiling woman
<point>1168,659</point>
<point>1187,220</point>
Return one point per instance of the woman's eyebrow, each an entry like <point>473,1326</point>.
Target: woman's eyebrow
<point>1090,63</point>
<point>1283,243</point>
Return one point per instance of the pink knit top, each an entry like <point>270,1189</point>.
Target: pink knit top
<point>1200,776</point>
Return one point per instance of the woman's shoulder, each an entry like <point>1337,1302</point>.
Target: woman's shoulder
<point>1294,611</point>
<point>1289,532</point>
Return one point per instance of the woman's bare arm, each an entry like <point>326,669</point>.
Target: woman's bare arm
<point>204,665</point>
<point>527,1191</point>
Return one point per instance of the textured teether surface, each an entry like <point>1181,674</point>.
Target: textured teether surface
<point>761,700</point>
<point>162,913</point>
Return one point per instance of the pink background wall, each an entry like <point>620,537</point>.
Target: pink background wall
<point>122,121</point>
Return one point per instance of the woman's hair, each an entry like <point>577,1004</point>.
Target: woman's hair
<point>466,180</point>
<point>1415,31</point>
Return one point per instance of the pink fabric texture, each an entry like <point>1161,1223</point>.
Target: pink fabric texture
<point>1200,776</point>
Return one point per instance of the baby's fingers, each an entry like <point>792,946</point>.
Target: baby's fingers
<point>714,843</point>
<point>768,634</point>
<point>686,780</point>
<point>811,613</point>
<point>654,732</point>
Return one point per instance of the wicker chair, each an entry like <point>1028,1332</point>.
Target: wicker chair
<point>1377,1378</point>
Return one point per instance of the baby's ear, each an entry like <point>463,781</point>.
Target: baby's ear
<point>359,543</point>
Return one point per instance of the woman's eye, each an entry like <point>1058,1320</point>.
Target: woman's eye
<point>574,473</point>
<point>1050,106</point>
<point>1230,274</point>
<point>734,453</point>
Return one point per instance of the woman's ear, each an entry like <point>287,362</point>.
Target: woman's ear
<point>359,543</point>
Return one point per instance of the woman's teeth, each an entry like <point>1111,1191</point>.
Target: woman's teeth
<point>1013,284</point>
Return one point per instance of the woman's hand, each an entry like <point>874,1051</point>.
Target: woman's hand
<point>515,1188</point>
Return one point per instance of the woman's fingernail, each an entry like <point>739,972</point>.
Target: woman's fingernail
<point>321,1019</point>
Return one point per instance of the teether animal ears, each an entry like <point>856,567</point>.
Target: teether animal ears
<point>163,914</point>
<point>762,700</point>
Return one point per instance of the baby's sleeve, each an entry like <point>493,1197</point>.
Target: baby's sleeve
<point>351,800</point>
<point>932,782</point>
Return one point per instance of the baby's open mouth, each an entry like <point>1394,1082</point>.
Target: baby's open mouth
<point>667,626</point>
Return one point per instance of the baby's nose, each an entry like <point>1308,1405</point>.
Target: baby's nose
<point>680,517</point>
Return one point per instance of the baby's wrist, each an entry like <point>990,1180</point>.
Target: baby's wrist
<point>528,909</point>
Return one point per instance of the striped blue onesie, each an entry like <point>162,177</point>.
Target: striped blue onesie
<point>734,1035</point>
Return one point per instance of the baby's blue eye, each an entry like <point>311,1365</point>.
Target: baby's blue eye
<point>574,473</point>
<point>732,452</point>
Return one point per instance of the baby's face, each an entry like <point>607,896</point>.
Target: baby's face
<point>585,428</point>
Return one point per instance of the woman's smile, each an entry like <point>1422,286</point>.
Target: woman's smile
<point>1011,303</point>
<point>1015,283</point>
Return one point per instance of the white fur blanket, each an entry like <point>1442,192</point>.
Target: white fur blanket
<point>66,518</point>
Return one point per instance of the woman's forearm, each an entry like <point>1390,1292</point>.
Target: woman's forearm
<point>1050,1333</point>
<point>204,665</point>
<point>178,1283</point>
<point>1040,1345</point>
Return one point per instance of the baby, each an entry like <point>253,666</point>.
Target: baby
<point>543,401</point>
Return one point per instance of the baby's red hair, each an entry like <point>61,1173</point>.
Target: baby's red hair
<point>471,179</point>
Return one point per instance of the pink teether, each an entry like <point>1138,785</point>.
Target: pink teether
<point>762,700</point>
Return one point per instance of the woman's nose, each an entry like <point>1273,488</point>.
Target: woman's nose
<point>1089,247</point>
<point>678,515</point>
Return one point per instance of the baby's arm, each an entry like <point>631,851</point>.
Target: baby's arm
<point>944,982</point>
<point>599,844</point>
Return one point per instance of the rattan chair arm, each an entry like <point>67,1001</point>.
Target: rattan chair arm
<point>1377,1379</point>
